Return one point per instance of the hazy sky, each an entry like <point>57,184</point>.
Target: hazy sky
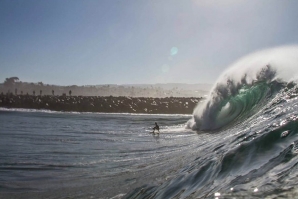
<point>88,42</point>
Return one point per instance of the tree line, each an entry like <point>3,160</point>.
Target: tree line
<point>13,85</point>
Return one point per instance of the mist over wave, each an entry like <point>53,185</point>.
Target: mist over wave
<point>245,87</point>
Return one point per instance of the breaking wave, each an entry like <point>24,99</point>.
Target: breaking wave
<point>246,87</point>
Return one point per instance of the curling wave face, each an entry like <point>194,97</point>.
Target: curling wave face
<point>245,88</point>
<point>254,153</point>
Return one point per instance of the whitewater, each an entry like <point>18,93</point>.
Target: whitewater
<point>240,142</point>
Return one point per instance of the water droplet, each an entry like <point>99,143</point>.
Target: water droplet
<point>284,134</point>
<point>217,194</point>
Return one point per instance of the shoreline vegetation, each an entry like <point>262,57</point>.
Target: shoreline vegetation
<point>15,86</point>
<point>102,104</point>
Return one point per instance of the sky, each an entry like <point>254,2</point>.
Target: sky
<point>91,42</point>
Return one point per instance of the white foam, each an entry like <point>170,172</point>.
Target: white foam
<point>272,64</point>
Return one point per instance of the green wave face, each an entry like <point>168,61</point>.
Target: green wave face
<point>242,105</point>
<point>233,104</point>
<point>244,85</point>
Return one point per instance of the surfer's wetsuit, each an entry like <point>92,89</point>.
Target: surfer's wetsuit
<point>156,127</point>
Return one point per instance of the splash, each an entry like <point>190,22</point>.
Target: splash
<point>245,87</point>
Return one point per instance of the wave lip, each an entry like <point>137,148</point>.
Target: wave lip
<point>245,87</point>
<point>226,107</point>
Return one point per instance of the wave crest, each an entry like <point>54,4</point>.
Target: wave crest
<point>245,87</point>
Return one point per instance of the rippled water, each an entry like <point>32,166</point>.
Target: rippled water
<point>46,154</point>
<point>251,157</point>
<point>57,155</point>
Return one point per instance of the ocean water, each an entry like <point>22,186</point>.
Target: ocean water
<point>240,142</point>
<point>46,154</point>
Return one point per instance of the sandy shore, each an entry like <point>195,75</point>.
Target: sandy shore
<point>110,104</point>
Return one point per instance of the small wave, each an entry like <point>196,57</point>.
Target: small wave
<point>27,110</point>
<point>118,196</point>
<point>258,163</point>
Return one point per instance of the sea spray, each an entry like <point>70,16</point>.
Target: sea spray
<point>242,88</point>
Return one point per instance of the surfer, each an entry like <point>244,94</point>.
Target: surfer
<point>156,128</point>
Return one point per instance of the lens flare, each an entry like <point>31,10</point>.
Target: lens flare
<point>165,68</point>
<point>174,51</point>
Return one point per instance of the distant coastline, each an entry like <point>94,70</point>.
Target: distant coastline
<point>13,85</point>
<point>102,104</point>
